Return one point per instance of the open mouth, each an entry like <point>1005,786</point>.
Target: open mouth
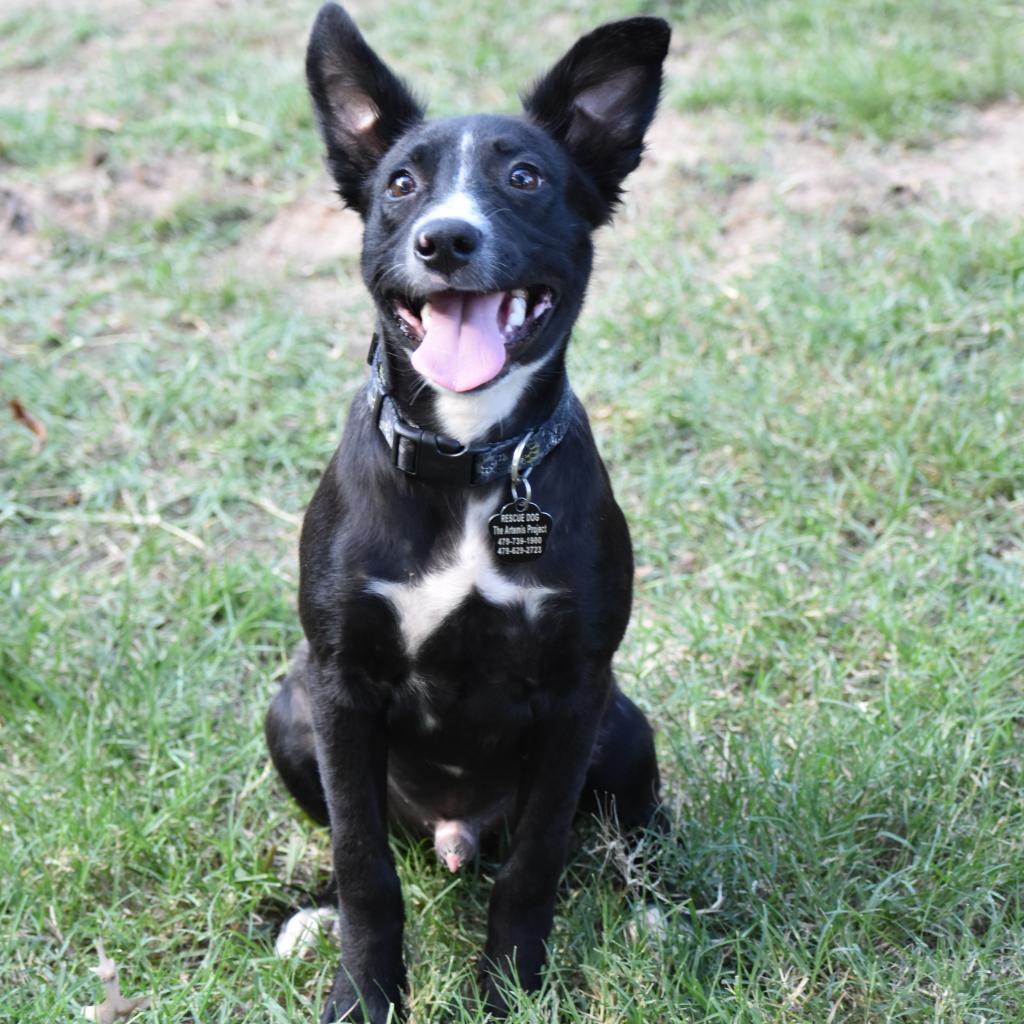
<point>465,338</point>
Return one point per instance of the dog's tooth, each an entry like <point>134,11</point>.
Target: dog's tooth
<point>519,293</point>
<point>516,310</point>
<point>425,315</point>
<point>542,305</point>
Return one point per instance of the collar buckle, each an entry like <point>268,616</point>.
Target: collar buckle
<point>422,453</point>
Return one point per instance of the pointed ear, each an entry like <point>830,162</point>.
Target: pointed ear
<point>599,99</point>
<point>361,106</point>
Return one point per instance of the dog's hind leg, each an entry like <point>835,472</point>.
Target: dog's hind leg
<point>623,783</point>
<point>623,777</point>
<point>289,730</point>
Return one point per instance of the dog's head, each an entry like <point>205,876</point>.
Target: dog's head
<point>477,241</point>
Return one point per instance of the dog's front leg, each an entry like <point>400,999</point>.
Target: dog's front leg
<point>523,899</point>
<point>352,738</point>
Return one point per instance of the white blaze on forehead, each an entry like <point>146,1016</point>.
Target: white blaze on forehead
<point>421,606</point>
<point>466,147</point>
<point>466,416</point>
<point>459,203</point>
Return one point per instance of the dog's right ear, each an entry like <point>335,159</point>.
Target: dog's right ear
<point>362,107</point>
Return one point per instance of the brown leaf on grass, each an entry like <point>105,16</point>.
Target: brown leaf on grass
<point>23,416</point>
<point>115,1007</point>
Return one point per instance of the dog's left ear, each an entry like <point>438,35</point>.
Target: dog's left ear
<point>599,100</point>
<point>362,106</point>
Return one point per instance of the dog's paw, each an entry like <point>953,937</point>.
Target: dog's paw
<point>302,931</point>
<point>650,923</point>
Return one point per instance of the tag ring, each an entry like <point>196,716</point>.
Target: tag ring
<point>520,478</point>
<point>521,499</point>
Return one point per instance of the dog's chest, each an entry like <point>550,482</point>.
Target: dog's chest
<point>427,600</point>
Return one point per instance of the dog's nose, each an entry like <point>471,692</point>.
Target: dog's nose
<point>446,245</point>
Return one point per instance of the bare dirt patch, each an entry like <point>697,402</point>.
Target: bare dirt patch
<point>83,201</point>
<point>790,170</point>
<point>311,248</point>
<point>307,233</point>
<point>982,170</point>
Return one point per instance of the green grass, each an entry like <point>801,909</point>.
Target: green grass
<point>35,38</point>
<point>891,68</point>
<point>822,463</point>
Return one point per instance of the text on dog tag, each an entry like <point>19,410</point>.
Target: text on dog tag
<point>519,531</point>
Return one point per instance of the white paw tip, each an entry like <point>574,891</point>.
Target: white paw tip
<point>648,922</point>
<point>302,931</point>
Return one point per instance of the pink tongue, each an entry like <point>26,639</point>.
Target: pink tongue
<point>462,348</point>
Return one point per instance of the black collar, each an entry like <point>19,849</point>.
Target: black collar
<point>439,459</point>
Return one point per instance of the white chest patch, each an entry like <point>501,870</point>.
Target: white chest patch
<point>425,602</point>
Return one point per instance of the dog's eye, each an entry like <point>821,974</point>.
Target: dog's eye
<point>402,183</point>
<point>525,177</point>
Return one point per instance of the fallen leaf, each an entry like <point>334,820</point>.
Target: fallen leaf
<point>23,416</point>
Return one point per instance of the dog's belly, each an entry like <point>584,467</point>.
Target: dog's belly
<point>458,721</point>
<point>420,797</point>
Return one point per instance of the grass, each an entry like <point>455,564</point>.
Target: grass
<point>822,462</point>
<point>890,68</point>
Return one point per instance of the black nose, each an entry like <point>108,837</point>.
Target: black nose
<point>446,245</point>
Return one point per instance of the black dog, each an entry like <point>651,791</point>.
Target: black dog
<point>456,677</point>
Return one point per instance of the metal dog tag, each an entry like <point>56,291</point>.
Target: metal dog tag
<point>519,531</point>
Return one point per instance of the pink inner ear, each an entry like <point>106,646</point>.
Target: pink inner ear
<point>602,102</point>
<point>360,115</point>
